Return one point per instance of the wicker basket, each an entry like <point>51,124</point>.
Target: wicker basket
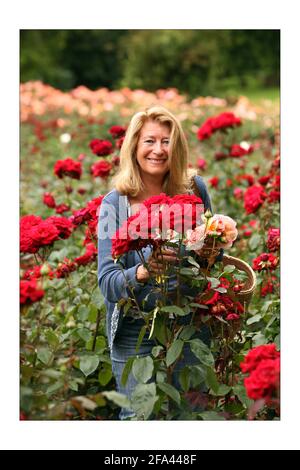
<point>209,251</point>
<point>244,296</point>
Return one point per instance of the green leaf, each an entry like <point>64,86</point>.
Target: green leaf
<point>187,332</point>
<point>222,290</point>
<point>84,334</point>
<point>211,416</point>
<point>266,306</point>
<point>259,339</point>
<point>254,241</point>
<point>174,351</point>
<point>93,311</point>
<point>170,391</point>
<point>142,369</point>
<point>161,332</point>
<point>193,262</point>
<point>143,400</point>
<point>105,374</point>
<point>254,319</point>
<point>83,312</point>
<point>88,364</point>
<point>277,341</point>
<point>153,323</point>
<point>140,338</point>
<point>100,344</point>
<point>174,309</point>
<point>156,350</point>
<point>223,389</point>
<point>188,271</point>
<point>214,282</point>
<point>211,380</point>
<point>202,352</point>
<point>44,355</point>
<point>52,338</point>
<point>73,385</point>
<point>185,378</point>
<point>240,391</point>
<point>229,268</point>
<point>127,370</point>
<point>97,298</point>
<point>54,387</point>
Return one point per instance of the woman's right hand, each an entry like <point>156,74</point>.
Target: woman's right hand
<point>156,263</point>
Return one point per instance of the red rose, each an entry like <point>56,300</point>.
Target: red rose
<point>61,208</point>
<point>68,167</point>
<point>44,234</point>
<point>256,355</point>
<point>201,164</point>
<point>101,148</point>
<point>117,131</point>
<point>101,168</point>
<point>213,124</point>
<point>29,292</point>
<point>254,198</point>
<point>265,261</point>
<point>237,150</point>
<point>273,196</point>
<point>263,382</point>
<point>273,241</point>
<point>89,255</point>
<point>49,200</point>
<point>65,268</point>
<point>214,181</point>
<point>63,225</point>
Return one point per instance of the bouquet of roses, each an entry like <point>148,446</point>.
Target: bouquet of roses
<point>202,299</point>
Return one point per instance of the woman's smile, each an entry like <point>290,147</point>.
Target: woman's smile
<point>153,149</point>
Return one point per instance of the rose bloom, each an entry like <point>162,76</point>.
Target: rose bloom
<point>49,200</point>
<point>101,168</point>
<point>254,198</point>
<point>223,226</point>
<point>60,208</point>
<point>273,241</point>
<point>257,354</point>
<point>214,181</point>
<point>117,131</point>
<point>63,225</point>
<point>201,164</point>
<point>101,148</point>
<point>221,121</point>
<point>264,381</point>
<point>238,193</point>
<point>194,239</point>
<point>44,234</point>
<point>265,261</point>
<point>68,167</point>
<point>29,292</point>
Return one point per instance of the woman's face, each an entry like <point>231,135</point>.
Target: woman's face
<point>153,149</point>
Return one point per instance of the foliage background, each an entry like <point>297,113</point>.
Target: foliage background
<point>197,62</point>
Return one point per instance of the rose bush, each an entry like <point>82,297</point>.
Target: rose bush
<point>65,365</point>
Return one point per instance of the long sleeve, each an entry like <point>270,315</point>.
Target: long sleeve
<point>114,282</point>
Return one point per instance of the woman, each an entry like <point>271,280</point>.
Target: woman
<point>153,160</point>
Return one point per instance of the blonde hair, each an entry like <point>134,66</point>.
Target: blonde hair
<point>128,180</point>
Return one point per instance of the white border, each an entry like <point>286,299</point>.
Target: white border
<point>158,435</point>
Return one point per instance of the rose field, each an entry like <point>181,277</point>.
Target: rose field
<point>70,146</point>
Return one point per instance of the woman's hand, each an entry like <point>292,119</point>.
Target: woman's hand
<point>156,263</point>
